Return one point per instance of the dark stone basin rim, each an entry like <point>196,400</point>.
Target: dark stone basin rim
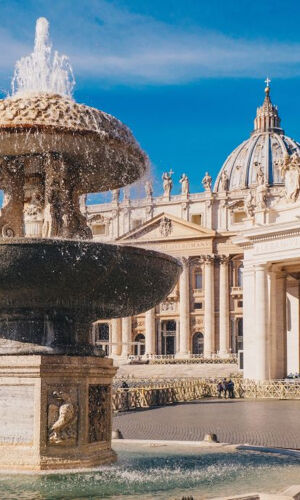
<point>79,243</point>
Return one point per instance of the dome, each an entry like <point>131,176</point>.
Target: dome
<point>264,151</point>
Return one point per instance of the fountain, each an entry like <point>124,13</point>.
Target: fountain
<point>55,386</point>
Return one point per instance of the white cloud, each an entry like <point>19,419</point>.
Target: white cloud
<point>117,46</point>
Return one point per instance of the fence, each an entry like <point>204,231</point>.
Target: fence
<point>163,394</point>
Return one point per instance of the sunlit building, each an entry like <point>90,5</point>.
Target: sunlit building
<point>239,243</point>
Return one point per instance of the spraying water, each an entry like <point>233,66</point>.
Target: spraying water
<point>44,70</point>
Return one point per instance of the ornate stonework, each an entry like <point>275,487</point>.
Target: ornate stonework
<point>62,416</point>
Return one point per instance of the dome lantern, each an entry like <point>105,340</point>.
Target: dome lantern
<point>267,118</point>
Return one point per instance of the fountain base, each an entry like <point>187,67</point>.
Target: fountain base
<point>55,412</point>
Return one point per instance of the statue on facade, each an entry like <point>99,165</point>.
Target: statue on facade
<point>261,188</point>
<point>115,195</point>
<point>290,172</point>
<point>185,185</point>
<point>206,182</point>
<point>249,204</point>
<point>148,189</point>
<point>167,183</point>
<point>224,181</point>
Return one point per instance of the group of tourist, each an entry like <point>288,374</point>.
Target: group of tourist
<point>225,387</point>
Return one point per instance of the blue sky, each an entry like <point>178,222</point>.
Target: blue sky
<point>186,76</point>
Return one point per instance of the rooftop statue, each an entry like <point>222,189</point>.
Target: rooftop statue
<point>148,189</point>
<point>167,183</point>
<point>206,182</point>
<point>185,185</point>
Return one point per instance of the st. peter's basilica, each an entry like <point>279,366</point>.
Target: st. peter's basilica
<point>239,242</point>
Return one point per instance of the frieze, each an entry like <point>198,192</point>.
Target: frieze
<point>277,245</point>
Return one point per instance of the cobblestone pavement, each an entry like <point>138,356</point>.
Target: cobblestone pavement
<point>261,423</point>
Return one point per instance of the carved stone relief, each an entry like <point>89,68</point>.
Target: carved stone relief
<point>62,415</point>
<point>99,413</point>
<point>165,226</point>
<point>290,171</point>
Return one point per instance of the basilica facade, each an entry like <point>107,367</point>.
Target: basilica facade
<point>239,244</point>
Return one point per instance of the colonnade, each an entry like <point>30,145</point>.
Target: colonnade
<point>271,321</point>
<point>121,336</point>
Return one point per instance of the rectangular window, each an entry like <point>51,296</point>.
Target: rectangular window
<point>240,303</point>
<point>197,305</point>
<point>197,219</point>
<point>198,280</point>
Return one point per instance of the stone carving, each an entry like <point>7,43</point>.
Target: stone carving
<point>185,185</point>
<point>99,413</point>
<point>261,188</point>
<point>168,306</point>
<point>224,181</point>
<point>34,207</point>
<point>62,418</point>
<point>206,182</point>
<point>148,189</point>
<point>290,172</point>
<point>12,181</point>
<point>165,226</point>
<point>249,204</point>
<point>62,214</point>
<point>167,183</point>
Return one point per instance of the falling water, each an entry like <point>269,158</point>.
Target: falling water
<point>44,70</point>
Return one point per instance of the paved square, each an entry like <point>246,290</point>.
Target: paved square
<point>261,423</point>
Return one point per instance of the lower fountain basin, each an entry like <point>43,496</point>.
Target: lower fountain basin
<point>52,290</point>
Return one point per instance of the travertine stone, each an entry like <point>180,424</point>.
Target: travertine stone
<point>55,412</point>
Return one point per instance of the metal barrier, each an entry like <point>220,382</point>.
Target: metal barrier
<point>162,394</point>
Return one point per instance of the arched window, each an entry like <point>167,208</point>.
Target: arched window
<point>240,275</point>
<point>198,343</point>
<point>198,279</point>
<point>139,349</point>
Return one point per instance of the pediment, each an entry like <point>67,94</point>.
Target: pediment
<point>164,227</point>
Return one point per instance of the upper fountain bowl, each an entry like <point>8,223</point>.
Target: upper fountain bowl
<point>102,150</point>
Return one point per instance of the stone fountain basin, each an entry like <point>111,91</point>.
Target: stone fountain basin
<point>101,150</point>
<point>73,283</point>
<point>100,162</point>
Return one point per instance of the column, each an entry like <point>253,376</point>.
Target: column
<point>150,332</point>
<point>126,336</point>
<point>259,353</point>
<point>293,325</point>
<point>224,308</point>
<point>249,339</point>
<point>278,333</point>
<point>209,311</point>
<point>116,337</point>
<point>184,309</point>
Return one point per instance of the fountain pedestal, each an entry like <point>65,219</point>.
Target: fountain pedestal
<point>55,412</point>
